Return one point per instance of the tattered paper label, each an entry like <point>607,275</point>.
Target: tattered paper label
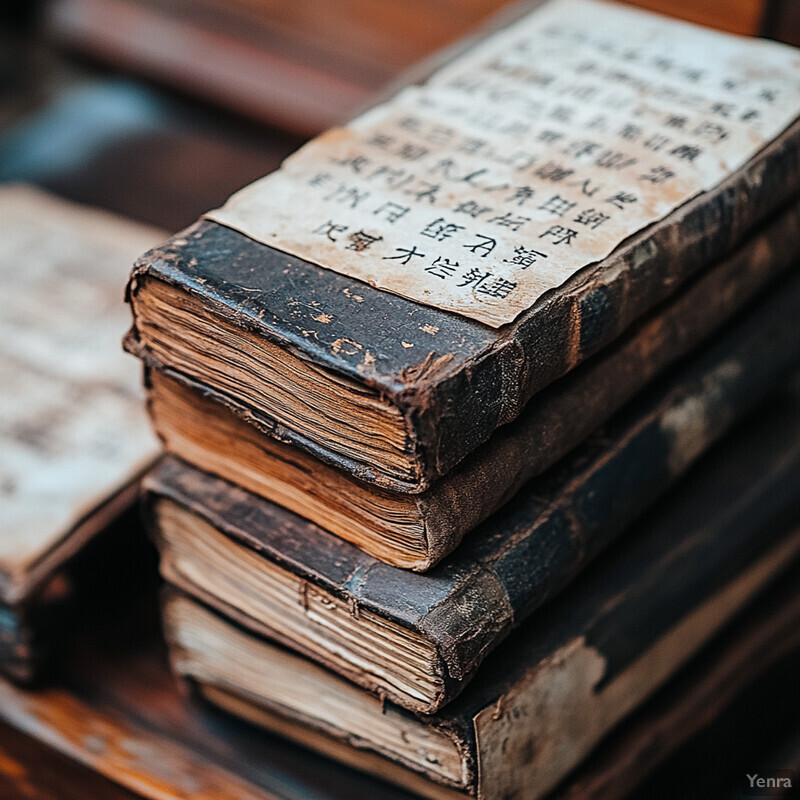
<point>528,158</point>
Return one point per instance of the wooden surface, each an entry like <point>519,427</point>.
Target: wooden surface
<point>30,770</point>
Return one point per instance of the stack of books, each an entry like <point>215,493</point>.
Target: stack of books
<point>480,409</point>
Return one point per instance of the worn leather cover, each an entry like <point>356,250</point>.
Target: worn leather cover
<point>529,550</point>
<point>476,378</point>
<point>735,506</point>
<point>559,417</point>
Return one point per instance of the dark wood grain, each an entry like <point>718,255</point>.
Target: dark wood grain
<point>30,770</point>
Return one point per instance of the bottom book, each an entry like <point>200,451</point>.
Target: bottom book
<point>553,690</point>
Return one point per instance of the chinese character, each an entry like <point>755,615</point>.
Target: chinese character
<point>356,163</point>
<point>712,131</point>
<point>549,137</point>
<point>396,178</point>
<point>405,255</point>
<point>693,75</point>
<point>562,113</point>
<point>560,234</point>
<point>475,276</point>
<point>586,67</point>
<point>483,247</point>
<point>591,218</point>
<point>471,145</point>
<point>581,148</point>
<point>521,195</point>
<point>553,172</point>
<point>609,159</point>
<point>657,142</point>
<point>428,194</point>
<point>392,211</point>
<point>557,205</point>
<point>525,257</point>
<point>499,287</point>
<point>381,140</point>
<point>329,228</point>
<point>410,124</point>
<point>445,166</point>
<point>500,187</point>
<point>598,123</point>
<point>622,199</point>
<point>412,152</point>
<point>657,175</point>
<point>686,152</point>
<point>440,230</point>
<point>319,179</point>
<point>630,132</point>
<point>343,194</point>
<point>723,109</point>
<point>507,220</point>
<point>589,192</point>
<point>472,208</point>
<point>677,121</point>
<point>360,241</point>
<point>470,177</point>
<point>439,135</point>
<point>442,267</point>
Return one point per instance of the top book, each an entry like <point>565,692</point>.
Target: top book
<point>402,286</point>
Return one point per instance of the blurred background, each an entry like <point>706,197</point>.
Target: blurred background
<point>159,109</point>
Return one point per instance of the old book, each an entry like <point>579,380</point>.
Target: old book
<point>514,227</point>
<point>74,435</point>
<point>416,531</point>
<point>557,685</point>
<point>418,638</point>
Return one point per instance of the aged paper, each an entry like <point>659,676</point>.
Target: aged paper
<point>531,156</point>
<point>73,428</point>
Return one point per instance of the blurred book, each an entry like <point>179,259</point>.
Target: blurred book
<point>301,66</point>
<point>73,434</point>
